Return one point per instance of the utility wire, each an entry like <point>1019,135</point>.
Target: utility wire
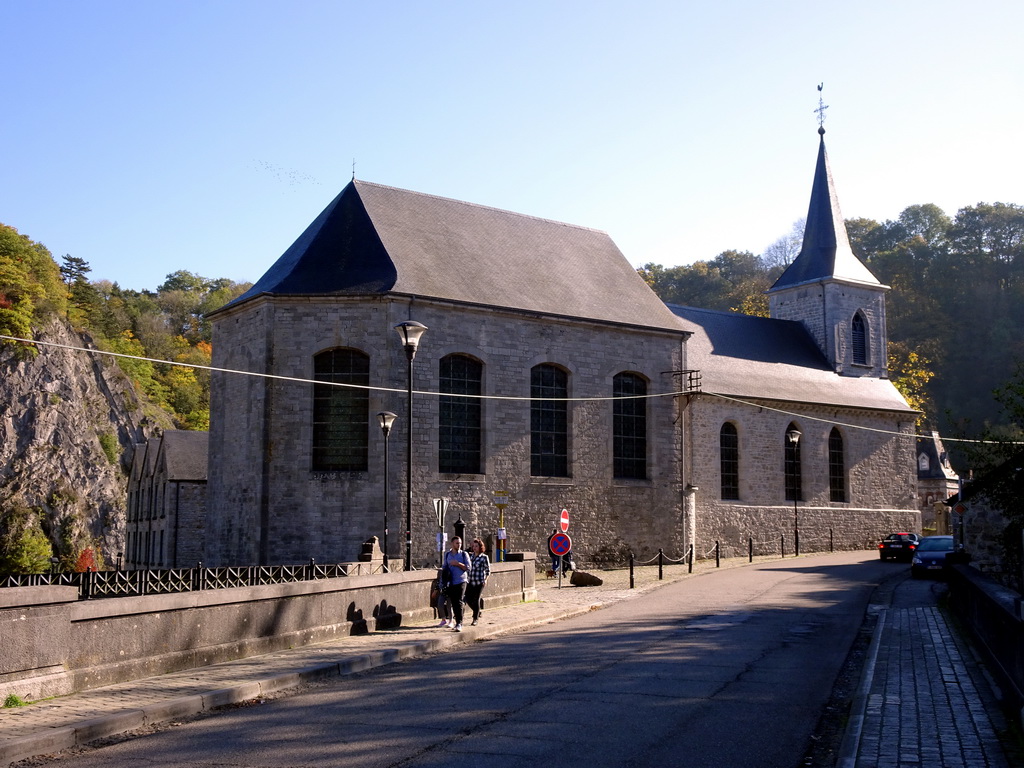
<point>368,388</point>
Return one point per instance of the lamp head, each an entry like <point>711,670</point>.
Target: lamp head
<point>793,436</point>
<point>410,332</point>
<point>386,418</point>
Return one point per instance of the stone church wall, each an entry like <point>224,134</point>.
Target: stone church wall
<point>880,499</point>
<point>260,478</point>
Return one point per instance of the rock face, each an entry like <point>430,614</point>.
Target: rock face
<point>69,421</point>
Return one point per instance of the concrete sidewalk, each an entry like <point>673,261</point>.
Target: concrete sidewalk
<point>50,726</point>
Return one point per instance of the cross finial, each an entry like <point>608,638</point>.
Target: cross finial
<point>822,106</point>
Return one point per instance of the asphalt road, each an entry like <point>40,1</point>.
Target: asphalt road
<point>729,669</point>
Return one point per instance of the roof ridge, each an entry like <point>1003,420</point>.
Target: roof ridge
<point>361,182</point>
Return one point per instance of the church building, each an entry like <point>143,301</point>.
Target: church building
<point>550,372</point>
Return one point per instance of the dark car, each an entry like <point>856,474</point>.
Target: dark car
<point>930,557</point>
<point>900,546</point>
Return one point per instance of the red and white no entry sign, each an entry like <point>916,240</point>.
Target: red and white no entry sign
<point>564,520</point>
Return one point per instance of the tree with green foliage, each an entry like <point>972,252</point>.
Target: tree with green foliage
<point>30,285</point>
<point>81,295</point>
<point>731,280</point>
<point>24,548</point>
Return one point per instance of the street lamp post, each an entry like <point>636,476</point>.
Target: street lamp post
<point>794,437</point>
<point>387,418</point>
<point>410,332</point>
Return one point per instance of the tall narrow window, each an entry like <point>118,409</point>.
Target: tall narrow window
<point>729,456</point>
<point>836,467</point>
<point>459,422</point>
<point>860,339</point>
<point>794,490</point>
<point>549,422</point>
<point>341,415</point>
<point>629,426</point>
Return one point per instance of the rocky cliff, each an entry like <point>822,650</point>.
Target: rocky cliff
<point>69,421</point>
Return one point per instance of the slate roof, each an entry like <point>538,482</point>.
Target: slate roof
<point>938,463</point>
<point>184,454</point>
<point>826,253</point>
<point>757,357</point>
<point>374,239</point>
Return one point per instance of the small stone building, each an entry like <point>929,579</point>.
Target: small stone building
<point>936,482</point>
<point>166,518</point>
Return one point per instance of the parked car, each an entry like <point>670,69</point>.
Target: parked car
<point>930,557</point>
<point>900,546</point>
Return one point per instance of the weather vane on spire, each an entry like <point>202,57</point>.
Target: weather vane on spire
<point>822,106</point>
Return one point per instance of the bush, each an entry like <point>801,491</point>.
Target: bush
<point>111,448</point>
<point>24,547</point>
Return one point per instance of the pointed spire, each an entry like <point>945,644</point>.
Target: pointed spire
<point>826,252</point>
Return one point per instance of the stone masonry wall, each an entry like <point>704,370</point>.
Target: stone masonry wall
<point>880,477</point>
<point>261,433</point>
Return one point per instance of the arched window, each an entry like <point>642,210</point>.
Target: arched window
<point>860,339</point>
<point>459,418</point>
<point>792,463</point>
<point>629,426</point>
<point>549,421</point>
<point>341,416</point>
<point>836,467</point>
<point>729,456</point>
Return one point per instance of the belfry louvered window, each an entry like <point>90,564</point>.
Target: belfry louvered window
<point>549,421</point>
<point>341,415</point>
<point>459,418</point>
<point>859,339</point>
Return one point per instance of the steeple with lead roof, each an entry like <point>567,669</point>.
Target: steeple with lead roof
<point>829,289</point>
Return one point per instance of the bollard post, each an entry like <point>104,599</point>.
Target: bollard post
<point>718,555</point>
<point>750,549</point>
<point>661,563</point>
<point>831,542</point>
<point>690,558</point>
<point>782,544</point>
<point>89,582</point>
<point>631,558</point>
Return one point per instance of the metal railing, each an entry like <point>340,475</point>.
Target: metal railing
<point>162,581</point>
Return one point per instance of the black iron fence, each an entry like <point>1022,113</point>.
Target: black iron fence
<point>93,584</point>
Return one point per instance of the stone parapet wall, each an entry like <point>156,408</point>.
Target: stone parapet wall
<point>64,645</point>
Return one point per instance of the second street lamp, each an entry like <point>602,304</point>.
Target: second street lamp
<point>386,418</point>
<point>410,331</point>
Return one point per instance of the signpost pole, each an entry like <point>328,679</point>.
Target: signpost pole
<point>500,501</point>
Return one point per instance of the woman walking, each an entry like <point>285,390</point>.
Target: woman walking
<point>456,562</point>
<point>479,570</point>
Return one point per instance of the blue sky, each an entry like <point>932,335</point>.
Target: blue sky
<point>148,136</point>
